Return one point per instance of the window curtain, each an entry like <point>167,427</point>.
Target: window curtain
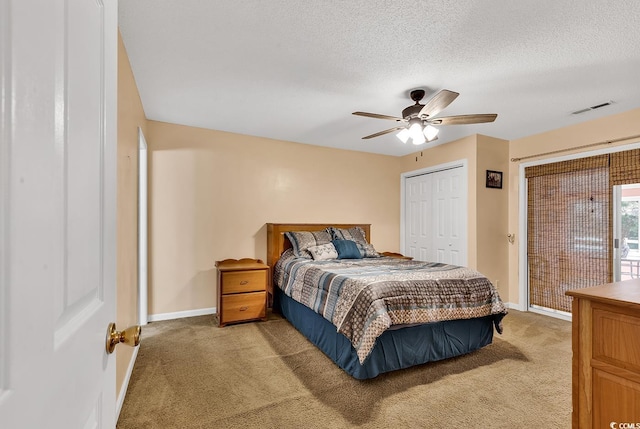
<point>625,167</point>
<point>569,228</point>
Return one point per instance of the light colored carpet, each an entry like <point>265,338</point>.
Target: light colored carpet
<point>191,374</point>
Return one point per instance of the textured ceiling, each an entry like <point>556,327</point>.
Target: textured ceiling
<point>295,70</point>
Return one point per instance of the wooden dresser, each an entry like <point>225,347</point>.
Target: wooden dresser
<point>606,356</point>
<point>242,290</point>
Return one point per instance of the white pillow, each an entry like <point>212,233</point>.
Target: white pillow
<point>323,252</point>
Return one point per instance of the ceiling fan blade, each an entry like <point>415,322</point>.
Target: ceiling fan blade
<point>437,103</point>
<point>390,130</point>
<point>463,119</point>
<point>378,116</point>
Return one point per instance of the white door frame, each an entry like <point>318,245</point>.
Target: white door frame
<point>461,163</point>
<point>523,264</point>
<point>143,312</point>
<point>5,133</point>
<point>617,229</point>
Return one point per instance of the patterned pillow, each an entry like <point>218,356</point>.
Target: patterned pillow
<point>367,250</point>
<point>356,234</point>
<point>323,252</point>
<point>347,249</point>
<point>302,240</point>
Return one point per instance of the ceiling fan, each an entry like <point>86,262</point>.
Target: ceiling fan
<point>418,120</point>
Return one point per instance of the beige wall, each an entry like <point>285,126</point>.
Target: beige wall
<point>130,117</point>
<point>608,128</point>
<point>211,194</point>
<point>463,149</point>
<point>487,208</point>
<point>492,213</point>
<point>495,213</point>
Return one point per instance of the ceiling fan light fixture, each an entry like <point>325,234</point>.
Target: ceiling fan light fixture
<point>419,139</point>
<point>417,120</point>
<point>404,135</point>
<point>415,131</point>
<point>430,132</point>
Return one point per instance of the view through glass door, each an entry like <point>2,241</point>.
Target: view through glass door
<point>627,232</point>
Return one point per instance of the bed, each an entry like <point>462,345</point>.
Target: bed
<point>376,313</point>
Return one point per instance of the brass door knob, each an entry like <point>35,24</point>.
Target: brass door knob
<point>130,337</point>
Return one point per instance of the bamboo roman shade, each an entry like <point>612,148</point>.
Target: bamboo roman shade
<point>568,229</point>
<point>601,161</point>
<point>625,167</point>
<point>569,223</point>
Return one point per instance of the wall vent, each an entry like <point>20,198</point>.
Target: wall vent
<point>597,106</point>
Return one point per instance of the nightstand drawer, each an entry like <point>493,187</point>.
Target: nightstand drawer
<point>244,281</point>
<point>244,306</point>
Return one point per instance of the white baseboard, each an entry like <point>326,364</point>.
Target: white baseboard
<point>181,314</point>
<point>125,383</point>
<point>551,313</point>
<point>514,306</point>
<point>544,311</point>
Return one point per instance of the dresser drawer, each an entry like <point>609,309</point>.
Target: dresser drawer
<point>615,338</point>
<point>245,306</point>
<point>244,281</point>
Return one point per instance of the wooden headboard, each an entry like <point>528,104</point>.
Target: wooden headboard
<point>278,243</point>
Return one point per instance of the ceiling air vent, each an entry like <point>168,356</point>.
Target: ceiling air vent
<point>597,106</point>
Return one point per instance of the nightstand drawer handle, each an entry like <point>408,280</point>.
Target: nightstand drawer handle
<point>244,282</point>
<point>244,308</point>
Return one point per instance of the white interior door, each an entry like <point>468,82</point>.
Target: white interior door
<point>436,216</point>
<point>57,213</point>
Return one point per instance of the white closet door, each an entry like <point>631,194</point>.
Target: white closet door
<point>436,216</point>
<point>418,228</point>
<point>449,216</point>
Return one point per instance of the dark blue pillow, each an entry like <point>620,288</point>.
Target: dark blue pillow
<point>347,249</point>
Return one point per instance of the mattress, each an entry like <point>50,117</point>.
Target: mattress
<point>396,348</point>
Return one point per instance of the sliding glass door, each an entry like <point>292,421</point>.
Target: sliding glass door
<point>626,211</point>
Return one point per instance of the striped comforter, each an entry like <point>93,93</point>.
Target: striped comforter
<point>365,297</point>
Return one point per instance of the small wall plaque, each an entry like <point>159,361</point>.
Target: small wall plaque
<point>494,179</point>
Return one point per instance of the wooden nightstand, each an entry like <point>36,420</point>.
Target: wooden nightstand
<point>242,290</point>
<point>396,255</point>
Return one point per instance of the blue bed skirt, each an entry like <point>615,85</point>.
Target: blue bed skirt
<point>394,349</point>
